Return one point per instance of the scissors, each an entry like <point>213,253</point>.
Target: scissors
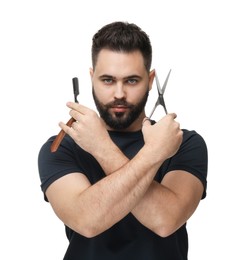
<point>160,99</point>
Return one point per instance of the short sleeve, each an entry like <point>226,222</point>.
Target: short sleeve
<point>192,157</point>
<point>54,165</point>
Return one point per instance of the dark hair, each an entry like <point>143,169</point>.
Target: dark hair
<point>122,37</point>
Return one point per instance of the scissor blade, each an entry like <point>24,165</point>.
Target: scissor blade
<point>154,108</point>
<point>162,102</point>
<point>162,90</point>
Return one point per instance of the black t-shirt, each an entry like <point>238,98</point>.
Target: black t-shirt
<point>127,239</point>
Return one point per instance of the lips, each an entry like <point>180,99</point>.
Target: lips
<point>119,109</point>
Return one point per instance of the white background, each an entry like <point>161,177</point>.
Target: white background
<point>44,44</point>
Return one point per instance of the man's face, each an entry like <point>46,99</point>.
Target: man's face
<point>120,89</point>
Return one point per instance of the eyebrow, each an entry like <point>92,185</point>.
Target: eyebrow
<point>125,78</point>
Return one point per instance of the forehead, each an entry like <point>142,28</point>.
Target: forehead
<point>120,63</point>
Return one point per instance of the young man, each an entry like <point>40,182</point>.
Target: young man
<point>123,185</point>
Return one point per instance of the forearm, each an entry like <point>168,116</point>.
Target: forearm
<point>151,204</point>
<point>110,157</point>
<point>112,198</point>
<point>153,208</point>
<point>156,210</point>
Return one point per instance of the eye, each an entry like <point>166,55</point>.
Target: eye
<point>132,81</point>
<point>108,81</point>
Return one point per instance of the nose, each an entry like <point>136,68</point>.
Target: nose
<point>119,91</point>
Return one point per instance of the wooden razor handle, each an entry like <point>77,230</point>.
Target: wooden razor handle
<point>58,139</point>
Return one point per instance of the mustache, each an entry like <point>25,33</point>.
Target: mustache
<point>119,102</point>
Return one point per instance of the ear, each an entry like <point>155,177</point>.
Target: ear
<point>91,72</point>
<point>151,78</point>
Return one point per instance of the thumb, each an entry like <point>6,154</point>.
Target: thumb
<point>173,115</point>
<point>146,121</point>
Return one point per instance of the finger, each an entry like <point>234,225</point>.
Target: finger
<point>78,107</point>
<point>173,115</point>
<point>146,121</point>
<point>75,114</point>
<point>65,128</point>
<point>75,126</point>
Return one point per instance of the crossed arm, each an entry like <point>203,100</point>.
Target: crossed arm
<point>128,185</point>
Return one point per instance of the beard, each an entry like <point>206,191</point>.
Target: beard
<point>120,120</point>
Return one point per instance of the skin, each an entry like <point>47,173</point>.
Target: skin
<point>128,185</point>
